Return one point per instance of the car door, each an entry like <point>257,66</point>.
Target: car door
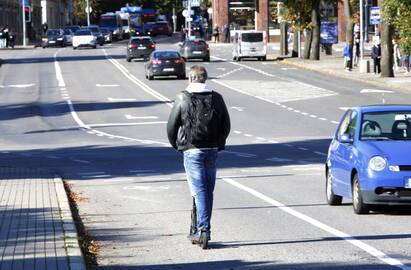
<point>342,155</point>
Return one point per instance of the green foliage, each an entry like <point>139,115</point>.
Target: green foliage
<point>398,13</point>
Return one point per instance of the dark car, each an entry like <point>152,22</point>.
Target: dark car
<point>140,47</point>
<point>73,28</point>
<point>54,37</point>
<point>108,35</point>
<point>97,33</point>
<point>165,63</point>
<point>162,28</point>
<point>195,49</point>
<point>149,28</point>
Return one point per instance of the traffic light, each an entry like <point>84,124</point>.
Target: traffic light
<point>27,13</point>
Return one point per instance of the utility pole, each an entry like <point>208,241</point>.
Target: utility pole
<point>23,14</point>
<point>88,12</point>
<point>189,18</point>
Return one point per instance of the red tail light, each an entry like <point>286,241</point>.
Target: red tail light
<point>177,61</point>
<point>156,62</point>
<point>152,46</point>
<point>130,46</point>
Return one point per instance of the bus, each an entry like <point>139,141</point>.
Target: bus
<point>138,17</point>
<point>112,21</point>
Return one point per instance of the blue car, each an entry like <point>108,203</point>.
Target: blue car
<point>369,158</point>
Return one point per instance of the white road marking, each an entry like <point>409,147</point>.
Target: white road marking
<point>346,237</point>
<point>18,85</point>
<point>320,153</point>
<point>221,68</point>
<point>313,116</point>
<point>81,161</point>
<point>240,109</point>
<point>96,176</point>
<point>288,68</point>
<point>81,124</point>
<point>260,138</point>
<point>121,99</point>
<point>271,141</point>
<point>281,160</point>
<point>363,91</point>
<point>128,116</point>
<point>237,132</point>
<point>126,124</point>
<point>90,173</point>
<point>248,135</point>
<point>142,171</point>
<point>107,85</point>
<point>335,122</point>
<point>344,108</point>
<point>322,119</point>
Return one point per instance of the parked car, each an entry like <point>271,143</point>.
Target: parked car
<point>165,63</point>
<point>108,36</point>
<point>161,28</point>
<point>100,39</point>
<point>195,49</point>
<point>140,47</point>
<point>249,44</point>
<point>68,34</point>
<point>54,37</point>
<point>84,38</point>
<point>369,158</point>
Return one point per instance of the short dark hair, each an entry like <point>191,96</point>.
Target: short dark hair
<point>198,74</point>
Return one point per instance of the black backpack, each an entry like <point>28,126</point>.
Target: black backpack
<point>202,123</point>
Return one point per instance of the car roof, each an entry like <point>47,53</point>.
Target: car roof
<point>165,52</point>
<point>382,108</point>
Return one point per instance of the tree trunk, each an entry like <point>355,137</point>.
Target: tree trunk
<point>387,58</point>
<point>316,21</point>
<point>349,30</point>
<point>307,44</point>
<point>294,53</point>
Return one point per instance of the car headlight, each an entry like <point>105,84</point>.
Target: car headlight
<point>60,39</point>
<point>44,39</point>
<point>377,163</point>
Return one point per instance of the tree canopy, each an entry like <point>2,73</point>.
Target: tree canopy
<point>398,13</point>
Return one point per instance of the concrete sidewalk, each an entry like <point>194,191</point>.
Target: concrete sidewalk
<point>36,226</point>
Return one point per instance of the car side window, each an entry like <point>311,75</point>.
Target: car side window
<point>344,124</point>
<point>353,123</point>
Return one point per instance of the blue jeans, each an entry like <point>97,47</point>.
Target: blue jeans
<point>200,166</point>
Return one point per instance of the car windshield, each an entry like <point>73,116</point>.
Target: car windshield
<point>166,55</point>
<point>53,32</point>
<point>252,37</point>
<point>144,41</point>
<point>386,126</point>
<point>83,33</point>
<point>196,43</point>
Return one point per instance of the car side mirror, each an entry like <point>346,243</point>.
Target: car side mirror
<point>345,138</point>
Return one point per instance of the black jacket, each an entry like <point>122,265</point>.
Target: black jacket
<point>177,136</point>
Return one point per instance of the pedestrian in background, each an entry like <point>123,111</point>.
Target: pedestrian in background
<point>357,48</point>
<point>6,34</point>
<point>216,34</point>
<point>226,32</point>
<point>396,54</point>
<point>198,126</point>
<point>347,53</point>
<point>376,57</point>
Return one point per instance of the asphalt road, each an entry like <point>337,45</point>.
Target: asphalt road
<point>93,118</point>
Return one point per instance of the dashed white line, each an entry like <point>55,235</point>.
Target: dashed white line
<point>346,237</point>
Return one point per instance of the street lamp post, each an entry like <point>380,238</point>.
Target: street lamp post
<point>23,12</point>
<point>364,65</point>
<point>88,12</point>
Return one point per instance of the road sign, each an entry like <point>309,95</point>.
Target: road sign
<point>26,2</point>
<point>195,3</point>
<point>185,13</point>
<point>89,8</point>
<point>375,15</point>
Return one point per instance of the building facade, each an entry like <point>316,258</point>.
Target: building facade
<point>56,13</point>
<point>246,15</point>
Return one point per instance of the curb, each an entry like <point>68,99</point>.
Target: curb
<point>73,251</point>
<point>330,72</point>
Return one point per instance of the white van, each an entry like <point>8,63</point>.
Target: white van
<point>249,44</point>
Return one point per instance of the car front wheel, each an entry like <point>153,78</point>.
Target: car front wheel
<point>357,201</point>
<point>332,199</point>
